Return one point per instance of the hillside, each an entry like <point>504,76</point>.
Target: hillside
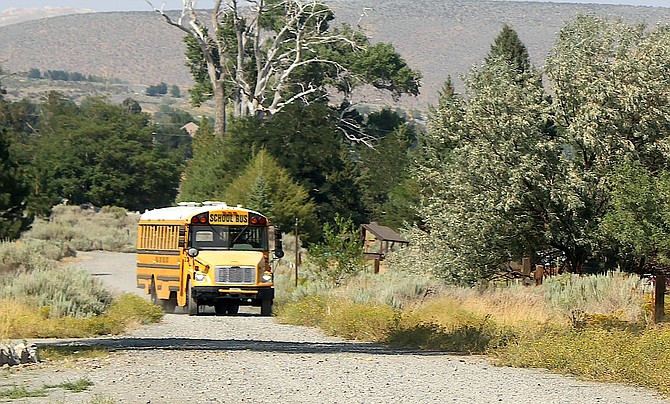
<point>439,37</point>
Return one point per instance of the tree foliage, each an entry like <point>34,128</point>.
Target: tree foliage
<point>14,190</point>
<point>269,188</point>
<point>638,221</point>
<point>508,172</point>
<point>97,153</point>
<point>340,254</point>
<point>267,56</point>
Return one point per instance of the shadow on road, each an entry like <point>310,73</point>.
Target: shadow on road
<point>203,344</point>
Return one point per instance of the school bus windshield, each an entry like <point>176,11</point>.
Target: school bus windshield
<point>224,237</point>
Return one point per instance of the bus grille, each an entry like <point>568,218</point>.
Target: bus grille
<point>235,274</point>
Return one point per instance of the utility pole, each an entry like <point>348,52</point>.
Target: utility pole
<point>297,252</point>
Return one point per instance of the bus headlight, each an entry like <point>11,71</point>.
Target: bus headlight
<point>267,277</point>
<point>199,276</point>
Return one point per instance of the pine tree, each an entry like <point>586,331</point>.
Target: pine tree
<point>508,46</point>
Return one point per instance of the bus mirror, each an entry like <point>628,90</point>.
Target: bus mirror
<point>279,250</point>
<point>192,252</point>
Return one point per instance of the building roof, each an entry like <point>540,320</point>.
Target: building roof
<point>384,233</point>
<point>191,128</point>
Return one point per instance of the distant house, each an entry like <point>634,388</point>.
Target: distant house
<point>191,128</point>
<point>378,240</point>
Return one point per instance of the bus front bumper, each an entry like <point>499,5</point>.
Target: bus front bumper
<point>213,293</point>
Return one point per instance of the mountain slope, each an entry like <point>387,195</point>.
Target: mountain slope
<point>439,37</point>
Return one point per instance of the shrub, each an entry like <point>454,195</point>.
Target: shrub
<point>613,355</point>
<point>574,296</point>
<point>131,309</point>
<point>340,254</point>
<point>109,229</point>
<point>18,257</point>
<point>22,320</point>
<point>308,311</point>
<point>365,322</point>
<point>395,289</point>
<point>65,291</point>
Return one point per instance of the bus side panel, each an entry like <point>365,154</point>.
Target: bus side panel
<point>159,249</point>
<point>161,266</point>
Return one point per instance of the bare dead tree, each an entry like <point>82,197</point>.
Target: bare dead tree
<point>260,67</point>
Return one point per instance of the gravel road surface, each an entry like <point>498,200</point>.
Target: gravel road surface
<point>252,359</point>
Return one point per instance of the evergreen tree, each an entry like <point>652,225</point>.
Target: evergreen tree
<point>508,46</point>
<point>266,186</point>
<point>212,167</point>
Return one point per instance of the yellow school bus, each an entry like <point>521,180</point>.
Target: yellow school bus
<point>207,254</point>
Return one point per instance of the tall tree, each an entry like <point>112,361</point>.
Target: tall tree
<point>510,172</point>
<point>266,186</point>
<point>274,52</point>
<point>211,168</point>
<point>385,167</point>
<point>13,190</point>
<point>306,140</point>
<point>99,153</point>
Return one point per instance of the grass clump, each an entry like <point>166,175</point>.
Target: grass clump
<point>76,386</point>
<point>131,309</point>
<point>56,353</point>
<point>16,392</point>
<point>364,322</point>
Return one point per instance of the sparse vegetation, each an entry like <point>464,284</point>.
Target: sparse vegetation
<point>606,337</point>
<point>73,228</point>
<point>40,297</point>
<point>17,392</point>
<point>76,386</point>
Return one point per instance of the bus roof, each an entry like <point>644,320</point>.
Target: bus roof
<point>187,209</point>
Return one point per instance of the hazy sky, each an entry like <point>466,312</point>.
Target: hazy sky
<point>141,5</point>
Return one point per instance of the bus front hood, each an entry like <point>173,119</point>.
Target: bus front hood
<point>230,258</point>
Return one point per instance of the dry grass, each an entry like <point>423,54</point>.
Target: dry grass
<point>19,320</point>
<point>519,326</point>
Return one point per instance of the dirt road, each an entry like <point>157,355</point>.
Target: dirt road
<point>252,359</point>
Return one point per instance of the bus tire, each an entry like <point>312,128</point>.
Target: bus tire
<point>221,308</point>
<point>191,302</point>
<point>266,307</point>
<point>170,305</point>
<point>233,308</point>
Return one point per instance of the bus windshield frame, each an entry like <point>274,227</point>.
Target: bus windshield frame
<point>228,237</point>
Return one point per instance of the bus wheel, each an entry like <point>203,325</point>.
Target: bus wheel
<point>170,305</point>
<point>233,308</point>
<point>191,302</point>
<point>153,293</point>
<point>221,308</point>
<point>266,307</point>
